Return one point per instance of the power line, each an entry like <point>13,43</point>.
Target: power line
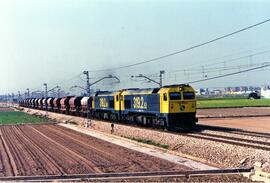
<point>184,50</point>
<point>229,74</point>
<point>222,62</point>
<point>60,82</point>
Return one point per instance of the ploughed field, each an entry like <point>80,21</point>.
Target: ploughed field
<point>48,149</point>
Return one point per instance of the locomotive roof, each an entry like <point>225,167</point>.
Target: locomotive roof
<point>103,93</point>
<point>141,91</point>
<point>176,85</point>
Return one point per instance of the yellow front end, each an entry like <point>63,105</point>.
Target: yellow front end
<point>177,99</point>
<point>178,104</point>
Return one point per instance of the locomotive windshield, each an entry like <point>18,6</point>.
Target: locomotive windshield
<point>175,96</point>
<point>188,95</point>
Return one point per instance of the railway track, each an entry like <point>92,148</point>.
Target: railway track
<point>231,140</point>
<point>201,127</point>
<point>199,133</point>
<point>239,116</point>
<point>226,136</point>
<point>128,175</point>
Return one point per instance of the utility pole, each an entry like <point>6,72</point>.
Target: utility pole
<point>58,91</point>
<point>160,77</point>
<point>19,96</point>
<point>88,122</point>
<point>46,90</point>
<point>87,82</point>
<point>46,95</point>
<point>149,79</point>
<point>28,92</point>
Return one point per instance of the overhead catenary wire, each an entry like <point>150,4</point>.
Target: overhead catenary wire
<point>59,83</point>
<point>222,62</point>
<point>183,50</point>
<point>229,74</point>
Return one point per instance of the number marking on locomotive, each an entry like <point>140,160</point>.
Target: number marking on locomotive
<point>139,103</point>
<point>103,103</point>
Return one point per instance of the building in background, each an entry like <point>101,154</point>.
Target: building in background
<point>265,92</point>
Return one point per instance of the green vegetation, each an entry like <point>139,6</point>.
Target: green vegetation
<point>150,142</point>
<point>17,117</point>
<point>219,103</point>
<point>72,123</point>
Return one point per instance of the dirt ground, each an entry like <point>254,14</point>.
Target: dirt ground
<point>234,112</point>
<point>54,150</point>
<point>255,124</point>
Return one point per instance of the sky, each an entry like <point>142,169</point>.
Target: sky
<point>54,41</point>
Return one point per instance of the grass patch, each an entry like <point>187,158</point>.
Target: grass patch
<point>17,117</point>
<point>150,142</point>
<point>219,103</point>
<point>72,123</point>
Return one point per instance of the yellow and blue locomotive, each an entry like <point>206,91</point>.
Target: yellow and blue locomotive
<point>169,107</point>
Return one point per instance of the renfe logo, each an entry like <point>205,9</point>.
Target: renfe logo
<point>139,103</point>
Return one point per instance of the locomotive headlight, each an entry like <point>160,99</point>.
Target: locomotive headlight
<point>182,108</point>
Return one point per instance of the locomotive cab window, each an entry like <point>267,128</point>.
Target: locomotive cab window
<point>175,96</point>
<point>189,95</point>
<point>165,97</point>
<point>117,98</point>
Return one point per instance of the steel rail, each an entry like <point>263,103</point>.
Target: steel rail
<point>233,130</point>
<point>239,116</point>
<point>227,141</point>
<point>129,175</point>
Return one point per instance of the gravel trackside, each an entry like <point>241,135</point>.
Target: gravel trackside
<point>199,145</point>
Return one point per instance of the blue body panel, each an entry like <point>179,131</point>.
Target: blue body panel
<point>104,103</point>
<point>144,103</point>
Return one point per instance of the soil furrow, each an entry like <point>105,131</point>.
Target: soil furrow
<point>132,159</point>
<point>72,154</point>
<point>39,156</point>
<point>5,161</point>
<point>104,154</point>
<point>16,151</point>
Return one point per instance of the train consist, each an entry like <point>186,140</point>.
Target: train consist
<point>169,107</point>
